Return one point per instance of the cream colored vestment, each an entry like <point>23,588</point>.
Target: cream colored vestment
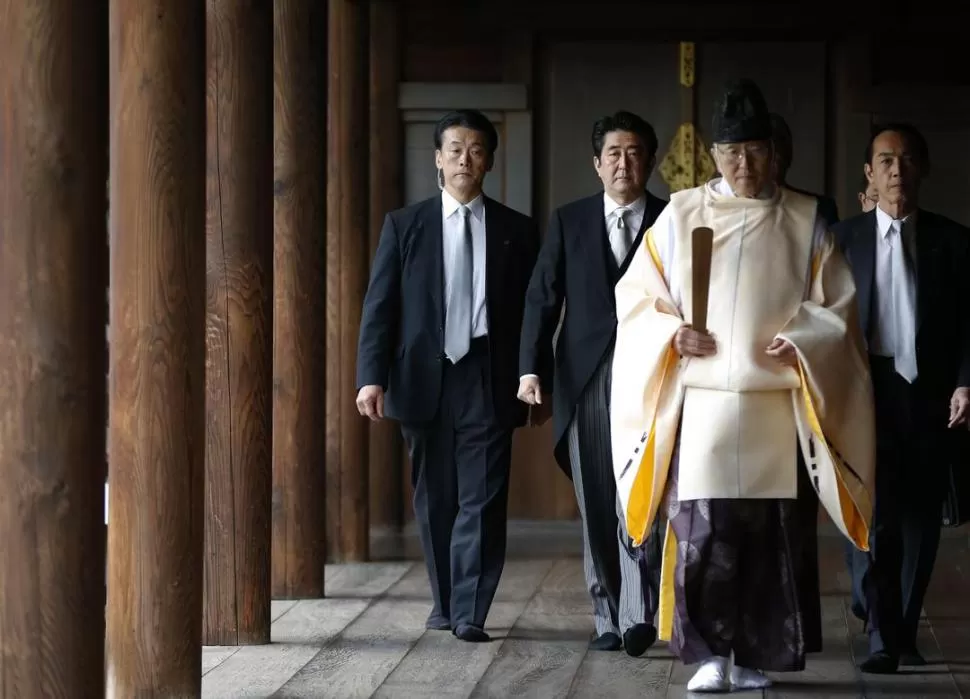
<point>740,414</point>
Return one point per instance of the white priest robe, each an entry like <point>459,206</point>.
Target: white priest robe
<point>741,415</point>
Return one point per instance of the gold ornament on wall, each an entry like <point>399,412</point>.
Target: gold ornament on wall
<point>687,162</point>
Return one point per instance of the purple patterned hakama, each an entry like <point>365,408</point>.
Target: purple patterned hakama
<point>746,578</point>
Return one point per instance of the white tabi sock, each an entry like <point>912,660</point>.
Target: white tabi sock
<point>745,678</point>
<point>712,676</point>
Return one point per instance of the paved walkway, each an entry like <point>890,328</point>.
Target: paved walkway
<point>367,639</point>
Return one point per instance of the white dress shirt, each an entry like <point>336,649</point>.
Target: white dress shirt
<point>881,340</point>
<point>452,233</point>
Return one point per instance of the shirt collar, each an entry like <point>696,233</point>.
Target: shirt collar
<point>637,207</point>
<point>884,221</point>
<point>449,205</point>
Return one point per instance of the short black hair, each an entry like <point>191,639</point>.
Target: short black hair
<point>623,121</point>
<point>914,139</point>
<point>467,119</point>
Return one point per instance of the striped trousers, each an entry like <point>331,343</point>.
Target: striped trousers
<point>623,583</point>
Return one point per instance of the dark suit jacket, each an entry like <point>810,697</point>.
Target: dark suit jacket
<point>575,265</point>
<point>401,343</point>
<point>943,289</point>
<point>827,208</point>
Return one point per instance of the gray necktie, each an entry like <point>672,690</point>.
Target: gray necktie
<point>458,311</point>
<point>904,305</point>
<point>620,239</point>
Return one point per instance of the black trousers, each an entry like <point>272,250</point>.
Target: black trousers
<point>460,473</point>
<point>910,487</point>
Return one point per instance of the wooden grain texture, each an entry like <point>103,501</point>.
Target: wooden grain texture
<point>299,315</point>
<point>701,240</point>
<point>347,257</point>
<point>156,436</point>
<point>239,321</point>
<point>386,194</point>
<point>53,276</point>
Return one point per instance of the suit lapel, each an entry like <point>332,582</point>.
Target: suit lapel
<point>863,254</point>
<point>595,241</point>
<point>496,249</point>
<point>927,252</point>
<point>429,237</point>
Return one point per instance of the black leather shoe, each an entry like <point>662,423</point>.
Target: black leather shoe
<point>638,638</point>
<point>880,664</point>
<point>436,622</point>
<point>472,634</point>
<point>607,641</point>
<point>912,658</point>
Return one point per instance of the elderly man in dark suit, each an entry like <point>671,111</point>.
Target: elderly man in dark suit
<point>910,267</point>
<point>587,248</point>
<point>438,351</point>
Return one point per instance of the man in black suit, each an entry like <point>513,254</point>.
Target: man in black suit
<point>587,248</point>
<point>784,152</point>
<point>438,351</point>
<point>910,267</point>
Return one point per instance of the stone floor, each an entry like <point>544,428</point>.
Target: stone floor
<point>367,639</point>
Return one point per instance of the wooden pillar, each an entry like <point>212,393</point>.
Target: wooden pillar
<point>239,322</point>
<point>347,260</point>
<point>53,275</point>
<point>299,316</point>
<point>156,437</point>
<point>386,194</point>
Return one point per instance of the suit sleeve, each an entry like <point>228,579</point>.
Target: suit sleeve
<point>543,306</point>
<point>381,312</point>
<point>964,378</point>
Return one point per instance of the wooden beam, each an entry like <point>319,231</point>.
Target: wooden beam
<point>386,194</point>
<point>53,276</point>
<point>239,322</point>
<point>347,258</point>
<point>299,367</point>
<point>156,434</point>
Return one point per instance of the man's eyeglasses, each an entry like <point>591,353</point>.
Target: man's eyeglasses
<point>734,153</point>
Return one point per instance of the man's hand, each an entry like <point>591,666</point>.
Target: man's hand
<point>782,351</point>
<point>529,390</point>
<point>691,343</point>
<point>960,407</point>
<point>370,402</point>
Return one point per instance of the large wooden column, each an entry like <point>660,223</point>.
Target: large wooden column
<point>53,276</point>
<point>386,194</point>
<point>239,322</point>
<point>347,261</point>
<point>299,316</point>
<point>156,434</point>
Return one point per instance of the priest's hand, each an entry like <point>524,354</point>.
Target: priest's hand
<point>782,351</point>
<point>692,343</point>
<point>529,390</point>
<point>370,402</point>
<point>960,407</point>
